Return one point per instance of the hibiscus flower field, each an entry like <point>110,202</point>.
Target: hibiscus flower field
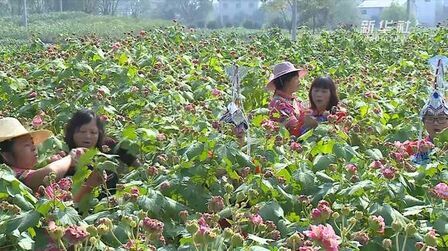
<point>347,185</point>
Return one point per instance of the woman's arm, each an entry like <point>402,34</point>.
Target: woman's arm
<point>60,167</point>
<point>95,179</point>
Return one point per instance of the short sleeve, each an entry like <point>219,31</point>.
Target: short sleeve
<point>289,114</point>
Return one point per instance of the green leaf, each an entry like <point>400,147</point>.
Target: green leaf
<point>441,139</point>
<point>68,216</point>
<point>324,177</point>
<point>415,210</point>
<point>305,178</point>
<point>18,84</point>
<point>357,188</point>
<point>25,241</point>
<point>123,59</point>
<point>148,134</point>
<point>194,150</point>
<point>321,162</point>
<point>271,211</point>
<point>259,240</point>
<point>374,154</point>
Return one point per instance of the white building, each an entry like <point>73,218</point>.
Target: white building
<point>430,12</point>
<point>426,12</point>
<point>235,11</point>
<point>372,9</point>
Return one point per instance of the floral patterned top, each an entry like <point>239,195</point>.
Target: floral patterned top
<point>23,174</point>
<point>288,111</point>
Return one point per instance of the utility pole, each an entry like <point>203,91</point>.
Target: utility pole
<point>25,15</point>
<point>294,20</point>
<point>60,5</point>
<point>408,9</point>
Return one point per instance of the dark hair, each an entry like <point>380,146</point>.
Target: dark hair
<point>324,83</point>
<point>79,119</point>
<point>6,147</point>
<point>281,81</point>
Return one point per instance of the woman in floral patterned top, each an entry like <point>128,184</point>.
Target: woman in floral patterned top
<point>284,107</point>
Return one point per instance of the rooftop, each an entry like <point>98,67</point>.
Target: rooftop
<point>380,3</point>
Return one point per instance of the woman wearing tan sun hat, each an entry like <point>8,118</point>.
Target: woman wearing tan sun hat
<point>284,107</point>
<point>18,151</point>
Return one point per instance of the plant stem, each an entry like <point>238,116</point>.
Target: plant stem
<point>396,242</point>
<point>115,237</point>
<point>404,242</point>
<point>61,244</point>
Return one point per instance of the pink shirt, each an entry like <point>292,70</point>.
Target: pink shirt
<point>287,110</point>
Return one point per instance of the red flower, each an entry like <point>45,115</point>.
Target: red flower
<point>116,46</point>
<point>135,191</point>
<point>295,146</point>
<point>216,92</point>
<point>351,168</point>
<point>153,225</point>
<point>376,164</point>
<point>65,184</point>
<point>37,121</point>
<point>256,219</point>
<point>32,94</point>
<point>441,191</point>
<point>324,236</point>
<point>189,107</point>
<point>215,204</point>
<point>161,137</point>
<point>377,224</point>
<point>388,172</point>
<point>75,234</point>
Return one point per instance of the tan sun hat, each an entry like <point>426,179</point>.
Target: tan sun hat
<point>283,69</point>
<point>11,128</point>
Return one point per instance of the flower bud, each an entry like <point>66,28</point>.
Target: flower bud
<point>352,221</point>
<point>396,226</point>
<point>346,210</point>
<point>411,229</point>
<point>237,240</point>
<point>192,227</point>
<point>92,230</point>
<point>431,238</point>
<point>420,245</point>
<point>240,196</point>
<point>295,240</point>
<point>103,229</point>
<point>359,215</point>
<point>58,233</point>
<point>183,215</point>
<point>229,188</point>
<point>335,215</point>
<point>253,194</point>
<point>228,233</point>
<point>93,240</point>
<point>387,244</point>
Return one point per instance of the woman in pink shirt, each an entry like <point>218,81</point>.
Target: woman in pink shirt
<point>284,106</point>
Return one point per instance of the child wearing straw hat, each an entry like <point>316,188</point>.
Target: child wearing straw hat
<point>284,107</point>
<point>18,151</point>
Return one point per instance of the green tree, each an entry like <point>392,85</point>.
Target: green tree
<point>188,11</point>
<point>345,12</point>
<point>283,5</point>
<point>395,12</point>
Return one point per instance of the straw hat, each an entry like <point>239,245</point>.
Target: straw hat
<point>283,69</point>
<point>11,128</point>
